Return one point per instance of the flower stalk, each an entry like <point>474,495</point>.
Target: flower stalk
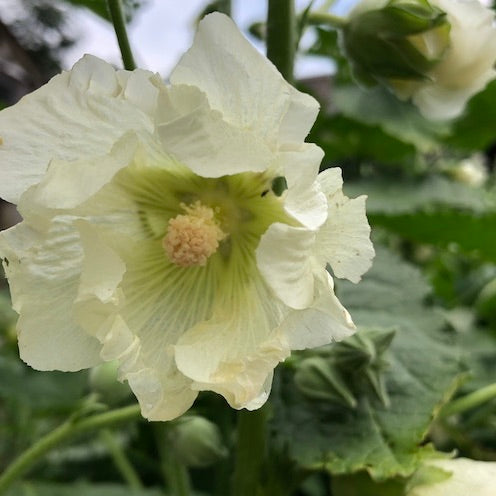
<point>281,36</point>
<point>68,430</point>
<point>469,401</point>
<point>119,22</point>
<point>319,18</point>
<point>120,459</point>
<point>250,453</point>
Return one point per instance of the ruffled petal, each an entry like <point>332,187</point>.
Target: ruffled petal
<point>344,240</point>
<point>283,258</point>
<point>43,266</point>
<point>203,140</point>
<point>240,83</point>
<point>235,352</point>
<point>325,321</point>
<point>304,199</point>
<point>77,114</point>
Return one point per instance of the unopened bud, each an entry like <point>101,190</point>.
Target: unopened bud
<point>395,41</point>
<point>103,380</point>
<point>196,441</point>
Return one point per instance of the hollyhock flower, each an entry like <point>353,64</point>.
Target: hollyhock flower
<point>438,53</point>
<point>152,235</point>
<point>467,477</point>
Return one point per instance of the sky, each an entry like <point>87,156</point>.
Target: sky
<point>163,30</point>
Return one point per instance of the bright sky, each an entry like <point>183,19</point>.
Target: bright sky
<point>163,30</point>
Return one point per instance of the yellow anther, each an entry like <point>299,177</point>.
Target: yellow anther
<point>192,237</point>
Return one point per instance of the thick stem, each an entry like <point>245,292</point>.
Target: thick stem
<point>119,22</point>
<point>469,401</point>
<point>281,36</point>
<point>250,453</point>
<point>67,430</point>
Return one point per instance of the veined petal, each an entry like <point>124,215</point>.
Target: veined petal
<point>203,140</point>
<point>344,239</point>
<point>304,199</point>
<point>242,84</point>
<point>78,114</point>
<point>283,258</point>
<point>325,320</point>
<point>66,185</point>
<point>235,352</point>
<point>43,267</point>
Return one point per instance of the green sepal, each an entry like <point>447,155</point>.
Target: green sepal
<point>319,379</point>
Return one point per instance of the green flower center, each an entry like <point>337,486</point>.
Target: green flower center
<point>198,219</point>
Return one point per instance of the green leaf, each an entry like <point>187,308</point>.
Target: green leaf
<point>434,211</point>
<point>407,196</point>
<point>442,227</point>
<point>401,120</point>
<point>424,371</point>
<point>475,129</point>
<point>78,489</point>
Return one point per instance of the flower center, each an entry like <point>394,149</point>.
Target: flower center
<point>192,237</point>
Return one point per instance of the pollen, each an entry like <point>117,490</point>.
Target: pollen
<point>192,237</point>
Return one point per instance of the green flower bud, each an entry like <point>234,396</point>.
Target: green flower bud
<point>486,302</point>
<point>347,369</point>
<point>103,380</point>
<point>395,42</point>
<point>196,441</point>
<point>318,379</point>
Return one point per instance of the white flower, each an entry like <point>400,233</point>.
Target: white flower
<point>468,477</point>
<point>151,234</point>
<point>467,65</point>
<point>462,52</point>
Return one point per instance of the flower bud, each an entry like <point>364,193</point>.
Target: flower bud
<point>318,379</point>
<point>103,380</point>
<point>486,302</point>
<point>438,53</point>
<point>395,41</point>
<point>196,441</point>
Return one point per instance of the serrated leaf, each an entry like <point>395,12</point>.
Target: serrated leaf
<point>424,370</point>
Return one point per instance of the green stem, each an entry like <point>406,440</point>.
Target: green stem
<point>469,401</point>
<point>119,22</point>
<point>176,475</point>
<point>67,430</point>
<point>120,460</point>
<point>250,452</point>
<point>326,18</point>
<point>281,36</point>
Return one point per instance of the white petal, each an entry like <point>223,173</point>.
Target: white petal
<point>344,239</point>
<point>242,84</point>
<point>469,477</point>
<point>43,269</point>
<point>77,114</point>
<point>202,140</point>
<point>235,352</point>
<point>331,181</point>
<point>68,184</point>
<point>325,321</point>
<point>304,199</point>
<point>283,258</point>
